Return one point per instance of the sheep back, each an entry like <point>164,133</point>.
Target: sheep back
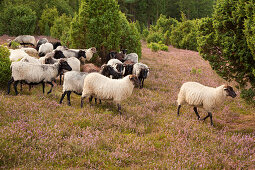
<point>103,87</point>
<point>74,81</point>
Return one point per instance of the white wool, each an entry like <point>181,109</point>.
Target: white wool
<point>113,62</point>
<point>133,57</point>
<point>89,54</point>
<point>61,48</point>
<point>137,68</point>
<point>70,53</point>
<point>74,63</point>
<point>103,87</point>
<point>34,73</point>
<point>16,55</point>
<point>46,48</point>
<point>30,60</point>
<point>198,95</point>
<point>42,60</point>
<point>74,81</point>
<point>30,50</point>
<point>42,41</point>
<point>25,39</point>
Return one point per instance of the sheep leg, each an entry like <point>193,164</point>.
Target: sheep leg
<point>30,87</point>
<point>15,86</point>
<point>9,85</point>
<point>43,86</point>
<point>178,110</point>
<point>68,98</point>
<point>195,110</point>
<point>209,115</point>
<point>82,101</point>
<point>90,99</point>
<point>50,88</point>
<point>119,108</point>
<point>60,78</point>
<point>142,83</point>
<point>62,97</point>
<point>20,86</point>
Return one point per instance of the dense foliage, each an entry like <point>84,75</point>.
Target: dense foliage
<point>60,25</point>
<point>17,20</point>
<point>47,19</point>
<point>5,63</point>
<point>224,43</point>
<point>184,35</point>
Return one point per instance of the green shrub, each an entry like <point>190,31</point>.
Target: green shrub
<point>227,43</point>
<point>5,71</point>
<point>154,37</point>
<point>184,35</point>
<point>47,19</point>
<point>17,20</point>
<point>157,46</point>
<point>60,25</point>
<point>145,33</point>
<point>130,36</point>
<point>14,45</point>
<point>153,46</point>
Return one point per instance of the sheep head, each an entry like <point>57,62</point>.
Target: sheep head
<point>64,65</point>
<point>229,91</point>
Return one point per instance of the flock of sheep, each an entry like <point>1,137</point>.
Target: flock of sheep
<point>115,81</point>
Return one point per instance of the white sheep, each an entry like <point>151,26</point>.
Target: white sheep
<point>18,54</point>
<point>40,42</point>
<point>133,57</point>
<point>45,48</point>
<point>141,71</point>
<point>30,59</point>
<point>34,74</point>
<point>90,52</point>
<point>61,48</point>
<point>30,51</point>
<point>73,82</point>
<point>25,40</point>
<point>116,64</point>
<point>102,87</point>
<point>198,95</point>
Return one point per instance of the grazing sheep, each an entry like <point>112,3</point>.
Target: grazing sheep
<point>117,64</point>
<point>16,55</point>
<point>45,48</point>
<point>25,40</point>
<point>102,87</point>
<point>133,57</point>
<point>74,80</point>
<point>40,42</point>
<point>34,74</point>
<point>198,95</point>
<point>141,71</point>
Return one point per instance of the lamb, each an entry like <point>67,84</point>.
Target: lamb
<point>141,71</point>
<point>102,87</point>
<point>74,80</point>
<point>117,64</point>
<point>45,48</point>
<point>40,42</point>
<point>133,57</point>
<point>25,40</point>
<point>16,55</point>
<point>198,95</point>
<point>34,74</point>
